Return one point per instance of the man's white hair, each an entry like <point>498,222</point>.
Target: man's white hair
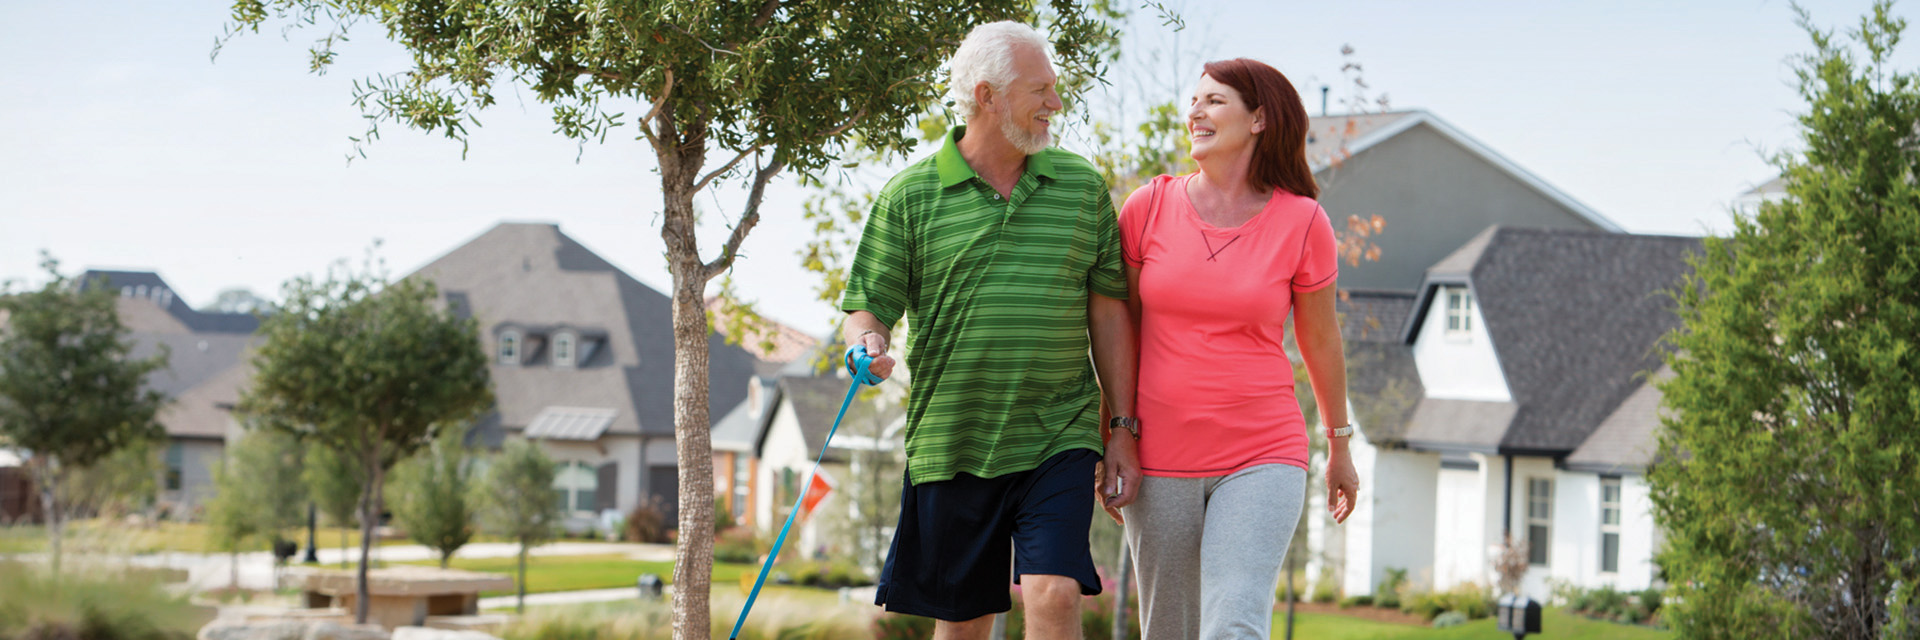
<point>987,56</point>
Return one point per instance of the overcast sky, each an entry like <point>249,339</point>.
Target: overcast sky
<point>123,145</point>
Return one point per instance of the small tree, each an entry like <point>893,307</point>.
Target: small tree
<point>432,493</point>
<point>370,370</point>
<point>1786,482</point>
<point>69,390</point>
<point>258,491</point>
<point>333,483</point>
<point>516,502</point>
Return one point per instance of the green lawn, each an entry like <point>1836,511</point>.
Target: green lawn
<point>574,573</point>
<point>1556,623</point>
<point>94,536</point>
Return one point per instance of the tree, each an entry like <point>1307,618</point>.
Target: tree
<point>431,495</point>
<point>785,85</point>
<point>240,300</point>
<point>69,390</point>
<point>371,370</point>
<point>258,492</point>
<point>1785,482</point>
<point>335,488</point>
<point>515,501</point>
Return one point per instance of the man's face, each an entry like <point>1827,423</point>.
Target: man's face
<point>1026,107</point>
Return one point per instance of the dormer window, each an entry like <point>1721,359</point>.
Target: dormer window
<point>563,350</point>
<point>1459,313</point>
<point>510,347</point>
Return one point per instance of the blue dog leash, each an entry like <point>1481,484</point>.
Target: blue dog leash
<point>857,363</point>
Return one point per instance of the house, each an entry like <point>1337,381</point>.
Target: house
<point>1531,414</point>
<point>582,364</point>
<point>864,462</point>
<point>206,370</point>
<point>1434,186</point>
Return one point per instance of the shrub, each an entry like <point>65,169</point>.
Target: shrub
<point>1449,619</point>
<point>1096,619</point>
<point>1425,604</point>
<point>1649,601</point>
<point>1356,601</point>
<point>736,545</point>
<point>647,522</point>
<point>1469,598</point>
<point>103,607</point>
<point>895,626</point>
<point>1324,589</point>
<point>1388,595</point>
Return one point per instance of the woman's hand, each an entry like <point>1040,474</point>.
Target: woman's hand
<point>1343,484</point>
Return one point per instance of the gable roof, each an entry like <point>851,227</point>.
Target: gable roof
<point>1575,318</point>
<point>532,277</point>
<point>815,401</point>
<point>1360,132</point>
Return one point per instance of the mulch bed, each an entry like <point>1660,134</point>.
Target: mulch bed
<point>1376,614</point>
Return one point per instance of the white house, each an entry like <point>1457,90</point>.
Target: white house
<point>1528,413</point>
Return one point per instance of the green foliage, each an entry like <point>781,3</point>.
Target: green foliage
<point>899,626</point>
<point>125,481</point>
<point>828,575</point>
<point>257,491</point>
<point>515,495</point>
<point>431,495</point>
<point>1388,593</point>
<point>69,387</point>
<point>230,516</point>
<point>737,544</point>
<point>1449,619</point>
<point>369,369</point>
<point>1470,599</point>
<point>334,484</point>
<point>1784,483</point>
<point>129,606</point>
<point>1326,590</point>
<point>1356,601</point>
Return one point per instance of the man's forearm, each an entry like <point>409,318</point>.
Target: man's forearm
<point>1116,358</point>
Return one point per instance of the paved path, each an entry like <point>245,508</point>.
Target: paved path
<point>256,570</point>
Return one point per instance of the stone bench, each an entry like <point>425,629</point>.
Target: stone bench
<point>400,596</point>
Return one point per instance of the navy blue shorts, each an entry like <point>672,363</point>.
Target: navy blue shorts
<point>950,553</point>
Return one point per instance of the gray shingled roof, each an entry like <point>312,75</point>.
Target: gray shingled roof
<point>815,402</point>
<point>1374,316</point>
<point>1625,441</point>
<point>532,275</point>
<point>1439,423</point>
<point>1383,386</point>
<point>1575,317</point>
<point>163,295</point>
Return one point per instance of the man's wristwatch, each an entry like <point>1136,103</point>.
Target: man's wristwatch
<point>1128,424</point>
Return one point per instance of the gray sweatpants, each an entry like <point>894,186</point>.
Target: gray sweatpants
<point>1208,551</point>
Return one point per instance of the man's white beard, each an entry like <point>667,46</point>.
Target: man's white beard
<point>1027,142</point>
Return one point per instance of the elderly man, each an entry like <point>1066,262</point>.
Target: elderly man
<point>1006,253</point>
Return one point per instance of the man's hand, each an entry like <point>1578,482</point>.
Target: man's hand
<point>1120,474</point>
<point>877,349</point>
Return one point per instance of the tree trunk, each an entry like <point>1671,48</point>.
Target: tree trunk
<point>50,500</point>
<point>370,516</point>
<point>520,585</point>
<point>680,162</point>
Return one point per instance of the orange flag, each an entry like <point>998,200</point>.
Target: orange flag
<point>816,491</point>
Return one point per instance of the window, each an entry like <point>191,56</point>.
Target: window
<point>1459,313</point>
<point>510,347</point>
<point>574,486</point>
<point>1539,520</point>
<point>741,478</point>
<point>176,464</point>
<point>563,350</point>
<point>1609,525</point>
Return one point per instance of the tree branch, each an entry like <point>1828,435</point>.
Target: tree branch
<point>646,126</point>
<point>748,218</point>
<point>716,173</point>
<point>766,14</point>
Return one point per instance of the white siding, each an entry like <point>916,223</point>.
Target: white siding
<point>1576,528</point>
<point>1639,534</point>
<point>1399,512</point>
<point>1460,528</point>
<point>1454,369</point>
<point>626,451</point>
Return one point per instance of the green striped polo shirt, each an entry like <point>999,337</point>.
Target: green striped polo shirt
<point>997,292</point>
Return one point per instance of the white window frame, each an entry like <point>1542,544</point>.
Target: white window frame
<point>175,476</point>
<point>589,482</point>
<point>1540,514</point>
<point>511,345</point>
<point>1459,323</point>
<point>565,349</point>
<point>1610,508</point>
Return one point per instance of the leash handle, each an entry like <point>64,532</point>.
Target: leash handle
<point>858,363</point>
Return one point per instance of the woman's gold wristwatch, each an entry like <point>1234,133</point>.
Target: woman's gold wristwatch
<point>1128,424</point>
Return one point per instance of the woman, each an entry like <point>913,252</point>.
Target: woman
<point>1216,260</point>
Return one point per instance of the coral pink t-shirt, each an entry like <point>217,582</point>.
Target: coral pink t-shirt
<point>1215,388</point>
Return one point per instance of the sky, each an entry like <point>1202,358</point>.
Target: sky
<point>125,144</point>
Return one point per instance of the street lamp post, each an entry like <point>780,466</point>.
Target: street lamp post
<point>313,549</point>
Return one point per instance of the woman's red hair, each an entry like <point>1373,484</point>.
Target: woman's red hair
<point>1280,152</point>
